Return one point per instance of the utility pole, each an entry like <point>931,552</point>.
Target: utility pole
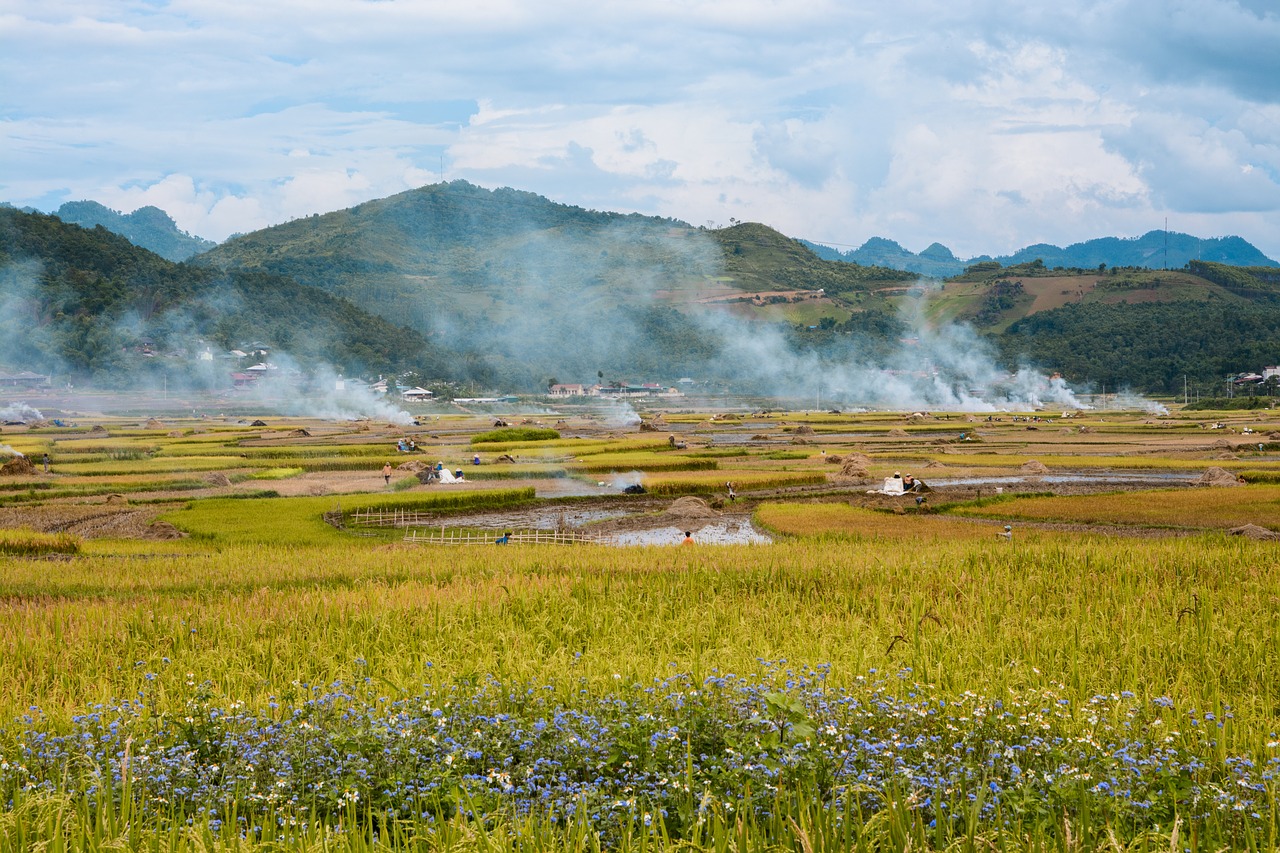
<point>1184,389</point>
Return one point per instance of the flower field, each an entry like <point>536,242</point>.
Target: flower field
<point>883,676</point>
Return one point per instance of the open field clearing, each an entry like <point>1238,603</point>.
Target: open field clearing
<point>247,655</point>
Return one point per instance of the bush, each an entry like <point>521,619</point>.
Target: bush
<point>515,434</point>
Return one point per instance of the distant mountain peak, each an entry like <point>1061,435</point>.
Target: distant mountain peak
<point>1154,250</point>
<point>148,227</point>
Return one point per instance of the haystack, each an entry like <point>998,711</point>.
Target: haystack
<point>17,466</point>
<point>1217,477</point>
<point>855,465</point>
<point>413,466</point>
<point>898,432</point>
<point>690,507</point>
<point>155,423</point>
<point>804,429</point>
<point>646,426</point>
<point>162,530</point>
<point>299,433</point>
<point>1253,531</point>
<point>258,423</point>
<point>98,431</point>
<point>217,478</point>
<point>1034,466</point>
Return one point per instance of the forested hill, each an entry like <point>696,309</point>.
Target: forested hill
<point>461,248</point>
<point>88,303</point>
<point>148,227</point>
<point>522,289</point>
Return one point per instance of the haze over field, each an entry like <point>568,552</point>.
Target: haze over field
<point>987,127</point>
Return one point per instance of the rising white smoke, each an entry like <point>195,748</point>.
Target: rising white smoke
<point>941,367</point>
<point>320,392</point>
<point>618,414</point>
<point>20,412</point>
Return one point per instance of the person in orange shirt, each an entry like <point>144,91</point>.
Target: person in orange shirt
<point>688,538</point>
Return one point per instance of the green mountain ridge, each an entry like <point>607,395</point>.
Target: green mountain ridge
<point>507,290</point>
<point>533,288</point>
<point>91,304</point>
<point>1153,250</point>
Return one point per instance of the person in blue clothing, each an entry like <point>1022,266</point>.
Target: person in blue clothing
<point>504,539</point>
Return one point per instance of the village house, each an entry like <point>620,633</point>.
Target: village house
<point>643,389</point>
<point>567,391</point>
<point>24,379</point>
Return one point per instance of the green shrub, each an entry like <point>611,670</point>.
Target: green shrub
<point>515,434</point>
<point>275,474</point>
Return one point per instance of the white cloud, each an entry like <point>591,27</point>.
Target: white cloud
<point>985,126</point>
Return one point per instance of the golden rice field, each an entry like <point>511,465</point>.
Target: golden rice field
<point>885,674</point>
<point>1193,509</point>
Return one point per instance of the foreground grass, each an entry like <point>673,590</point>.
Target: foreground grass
<point>1195,620</point>
<point>1178,640</point>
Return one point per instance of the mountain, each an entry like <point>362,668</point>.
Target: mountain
<point>91,304</point>
<point>532,288</point>
<point>148,227</point>
<point>1153,250</point>
<point>507,290</point>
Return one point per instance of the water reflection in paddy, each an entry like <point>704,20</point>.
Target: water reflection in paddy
<point>732,532</point>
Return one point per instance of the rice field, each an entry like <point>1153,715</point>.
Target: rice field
<point>1188,508</point>
<point>886,675</point>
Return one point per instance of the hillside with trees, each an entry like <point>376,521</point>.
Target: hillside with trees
<point>520,288</point>
<point>506,290</point>
<point>90,304</point>
<point>148,227</point>
<point>477,250</point>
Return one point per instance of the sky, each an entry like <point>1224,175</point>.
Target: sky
<point>986,125</point>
